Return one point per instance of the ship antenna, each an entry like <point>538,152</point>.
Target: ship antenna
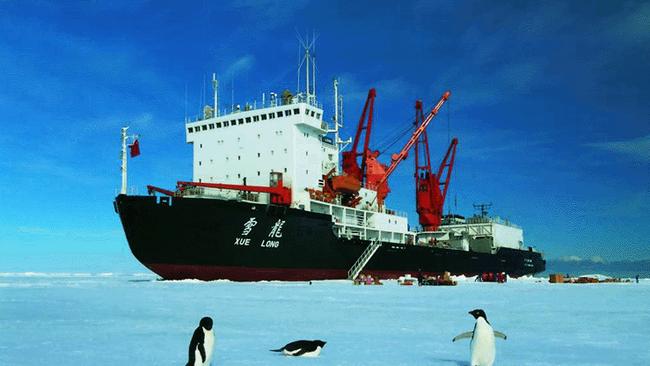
<point>313,71</point>
<point>123,157</point>
<point>186,102</point>
<point>215,87</point>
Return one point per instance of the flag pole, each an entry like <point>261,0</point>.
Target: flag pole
<point>123,190</point>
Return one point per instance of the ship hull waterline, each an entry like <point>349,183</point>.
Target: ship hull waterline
<point>211,239</point>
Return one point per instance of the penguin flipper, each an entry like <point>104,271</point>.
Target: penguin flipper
<point>463,336</point>
<point>500,335</point>
<point>276,350</point>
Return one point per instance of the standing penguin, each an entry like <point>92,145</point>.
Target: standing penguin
<point>302,348</point>
<point>202,344</point>
<point>482,347</point>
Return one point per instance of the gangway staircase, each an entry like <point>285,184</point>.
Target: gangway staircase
<point>364,258</point>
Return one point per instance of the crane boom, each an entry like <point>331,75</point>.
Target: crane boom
<point>397,158</point>
<point>350,165</point>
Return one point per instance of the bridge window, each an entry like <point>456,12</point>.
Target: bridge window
<point>312,113</point>
<point>212,126</point>
<point>225,124</point>
<point>218,124</point>
<point>263,117</point>
<point>296,111</point>
<point>271,115</point>
<point>241,121</point>
<point>256,118</point>
<point>233,122</point>
<point>317,115</point>
<point>287,112</point>
<point>279,113</point>
<point>248,120</point>
<point>190,130</point>
<point>204,127</point>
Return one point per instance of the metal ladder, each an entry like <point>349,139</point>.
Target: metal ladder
<point>365,256</point>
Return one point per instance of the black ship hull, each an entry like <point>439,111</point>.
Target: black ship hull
<point>209,239</point>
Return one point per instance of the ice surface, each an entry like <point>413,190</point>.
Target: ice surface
<point>120,319</point>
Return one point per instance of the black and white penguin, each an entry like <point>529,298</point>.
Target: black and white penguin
<point>482,346</point>
<point>302,348</point>
<point>202,344</point>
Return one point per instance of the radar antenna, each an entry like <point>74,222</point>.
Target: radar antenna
<point>482,208</point>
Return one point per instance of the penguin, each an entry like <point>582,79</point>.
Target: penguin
<point>202,344</point>
<point>482,347</point>
<point>302,348</point>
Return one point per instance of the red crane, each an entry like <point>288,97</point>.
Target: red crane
<point>350,165</point>
<point>279,194</point>
<point>381,185</point>
<point>429,197</point>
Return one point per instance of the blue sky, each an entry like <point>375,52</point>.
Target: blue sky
<point>550,102</point>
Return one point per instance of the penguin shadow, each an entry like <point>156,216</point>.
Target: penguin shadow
<point>455,362</point>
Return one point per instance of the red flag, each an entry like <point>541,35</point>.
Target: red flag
<point>135,148</point>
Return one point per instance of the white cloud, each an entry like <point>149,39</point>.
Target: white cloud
<point>241,65</point>
<point>577,259</point>
<point>637,148</point>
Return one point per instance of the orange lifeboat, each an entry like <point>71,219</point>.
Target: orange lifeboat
<point>345,184</point>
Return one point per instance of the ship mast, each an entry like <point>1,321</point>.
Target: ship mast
<point>215,87</point>
<point>123,157</point>
<point>309,59</point>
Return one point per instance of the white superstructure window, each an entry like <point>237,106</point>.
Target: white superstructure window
<point>279,114</point>
<point>296,111</point>
<point>256,118</point>
<point>248,120</point>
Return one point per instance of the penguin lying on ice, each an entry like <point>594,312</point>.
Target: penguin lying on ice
<point>302,348</point>
<point>482,347</point>
<point>202,344</point>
